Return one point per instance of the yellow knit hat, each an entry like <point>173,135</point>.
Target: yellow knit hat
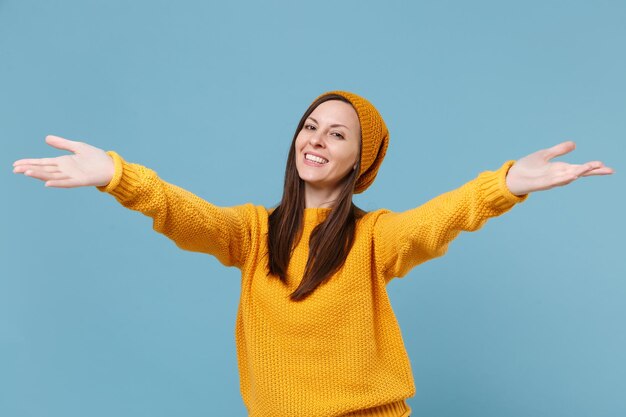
<point>374,138</point>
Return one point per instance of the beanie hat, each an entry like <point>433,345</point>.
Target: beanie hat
<point>374,138</point>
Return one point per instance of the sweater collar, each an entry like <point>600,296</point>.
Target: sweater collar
<point>316,214</point>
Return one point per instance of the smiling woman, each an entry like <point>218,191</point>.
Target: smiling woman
<point>316,335</point>
<point>327,151</point>
<point>330,160</point>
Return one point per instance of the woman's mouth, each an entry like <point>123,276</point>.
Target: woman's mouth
<point>314,160</point>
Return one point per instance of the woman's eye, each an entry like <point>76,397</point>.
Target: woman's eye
<point>311,127</point>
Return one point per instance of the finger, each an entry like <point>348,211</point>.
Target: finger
<point>45,176</point>
<point>36,162</point>
<point>62,143</point>
<point>599,171</point>
<point>68,183</point>
<point>30,171</point>
<point>45,168</point>
<point>590,167</point>
<point>560,149</point>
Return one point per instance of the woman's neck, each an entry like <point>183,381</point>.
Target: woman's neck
<point>320,198</point>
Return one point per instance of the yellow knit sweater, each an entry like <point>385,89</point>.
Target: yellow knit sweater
<point>339,352</point>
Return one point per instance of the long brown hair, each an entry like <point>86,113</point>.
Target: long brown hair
<point>330,241</point>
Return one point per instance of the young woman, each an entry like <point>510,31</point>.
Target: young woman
<point>315,332</point>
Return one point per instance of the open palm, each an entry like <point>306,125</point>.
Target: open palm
<point>535,172</point>
<point>88,166</point>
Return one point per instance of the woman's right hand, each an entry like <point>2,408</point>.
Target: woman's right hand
<point>89,166</point>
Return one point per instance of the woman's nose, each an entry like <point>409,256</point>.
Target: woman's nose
<point>317,139</point>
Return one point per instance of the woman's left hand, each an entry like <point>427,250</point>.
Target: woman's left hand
<point>535,173</point>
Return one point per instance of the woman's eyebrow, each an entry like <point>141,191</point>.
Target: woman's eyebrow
<point>333,125</point>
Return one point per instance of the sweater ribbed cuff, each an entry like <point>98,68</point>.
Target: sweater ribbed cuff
<point>493,186</point>
<point>125,180</point>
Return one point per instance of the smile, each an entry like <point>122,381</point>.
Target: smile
<point>318,160</point>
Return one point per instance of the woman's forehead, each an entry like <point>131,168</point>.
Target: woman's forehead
<point>335,112</point>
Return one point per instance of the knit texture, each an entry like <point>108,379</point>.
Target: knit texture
<point>339,352</point>
<point>374,138</point>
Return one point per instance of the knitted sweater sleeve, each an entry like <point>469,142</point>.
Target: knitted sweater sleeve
<point>404,240</point>
<point>191,222</point>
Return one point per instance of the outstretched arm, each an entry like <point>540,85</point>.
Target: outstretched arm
<point>191,222</point>
<point>404,240</point>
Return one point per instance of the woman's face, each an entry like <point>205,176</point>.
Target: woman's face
<point>327,147</point>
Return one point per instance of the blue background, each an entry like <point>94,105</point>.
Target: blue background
<point>101,316</point>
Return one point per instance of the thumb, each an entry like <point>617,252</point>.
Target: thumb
<point>560,149</point>
<point>61,143</point>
